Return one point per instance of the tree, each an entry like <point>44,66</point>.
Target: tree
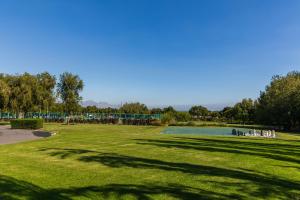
<point>182,116</point>
<point>4,95</point>
<point>279,104</point>
<point>156,111</point>
<point>68,90</point>
<point>244,111</point>
<point>90,109</point>
<point>214,115</point>
<point>44,93</point>
<point>227,113</point>
<point>198,112</point>
<point>29,92</point>
<point>21,92</point>
<point>168,118</point>
<point>134,108</point>
<point>169,109</point>
<point>57,107</point>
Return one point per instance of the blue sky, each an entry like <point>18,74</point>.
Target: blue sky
<point>154,51</point>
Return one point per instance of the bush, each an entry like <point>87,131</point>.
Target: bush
<point>168,118</point>
<point>27,123</point>
<point>191,123</point>
<point>182,116</point>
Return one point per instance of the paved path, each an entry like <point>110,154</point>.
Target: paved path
<point>9,136</point>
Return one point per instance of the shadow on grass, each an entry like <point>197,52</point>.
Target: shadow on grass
<point>254,184</point>
<point>280,152</point>
<point>67,152</point>
<point>43,134</point>
<point>11,188</point>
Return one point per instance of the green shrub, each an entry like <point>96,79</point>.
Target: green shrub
<point>190,123</point>
<point>168,118</point>
<point>27,123</point>
<point>182,116</point>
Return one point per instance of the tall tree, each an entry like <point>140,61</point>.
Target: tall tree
<point>21,92</point>
<point>68,89</point>
<point>44,92</point>
<point>279,104</point>
<point>4,95</point>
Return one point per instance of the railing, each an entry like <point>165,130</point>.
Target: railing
<point>7,115</point>
<point>84,116</point>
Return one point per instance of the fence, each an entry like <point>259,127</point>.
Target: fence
<point>89,117</point>
<point>7,115</point>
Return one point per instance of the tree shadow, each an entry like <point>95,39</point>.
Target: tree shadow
<point>66,152</point>
<point>280,152</point>
<point>42,134</point>
<point>11,189</point>
<point>266,185</point>
<point>271,146</point>
<point>289,167</point>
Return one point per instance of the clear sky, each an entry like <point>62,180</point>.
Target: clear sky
<point>154,51</point>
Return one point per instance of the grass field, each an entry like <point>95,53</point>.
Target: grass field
<point>131,162</point>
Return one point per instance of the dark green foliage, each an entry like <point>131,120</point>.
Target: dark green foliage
<point>227,114</point>
<point>26,123</point>
<point>44,93</point>
<point>4,95</point>
<point>198,112</point>
<point>191,124</point>
<point>168,118</point>
<point>244,112</point>
<point>182,116</point>
<point>156,111</point>
<point>26,92</point>
<point>90,109</point>
<point>169,109</point>
<point>134,108</point>
<point>68,89</point>
<point>279,104</point>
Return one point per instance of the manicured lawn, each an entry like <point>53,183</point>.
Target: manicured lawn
<point>3,123</point>
<point>130,162</point>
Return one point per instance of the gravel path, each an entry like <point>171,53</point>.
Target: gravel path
<point>9,136</point>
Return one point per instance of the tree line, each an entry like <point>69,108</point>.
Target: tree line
<point>278,104</point>
<point>40,93</point>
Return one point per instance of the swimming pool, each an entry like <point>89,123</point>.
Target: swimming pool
<point>217,131</point>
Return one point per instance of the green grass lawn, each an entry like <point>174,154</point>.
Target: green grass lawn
<point>131,162</point>
<point>4,123</point>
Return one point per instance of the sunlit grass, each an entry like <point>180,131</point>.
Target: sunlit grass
<point>131,162</point>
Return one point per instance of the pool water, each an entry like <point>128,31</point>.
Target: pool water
<point>221,131</point>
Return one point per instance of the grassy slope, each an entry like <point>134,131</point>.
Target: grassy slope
<point>130,162</point>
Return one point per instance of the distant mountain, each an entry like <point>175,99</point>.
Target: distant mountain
<point>212,107</point>
<point>100,104</point>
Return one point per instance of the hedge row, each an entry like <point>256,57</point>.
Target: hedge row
<point>27,123</point>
